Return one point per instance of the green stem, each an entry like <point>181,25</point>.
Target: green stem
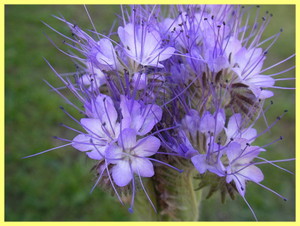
<point>173,195</point>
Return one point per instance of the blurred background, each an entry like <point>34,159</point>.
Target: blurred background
<point>55,186</point>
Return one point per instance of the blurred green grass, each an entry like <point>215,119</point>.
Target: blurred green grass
<point>55,186</point>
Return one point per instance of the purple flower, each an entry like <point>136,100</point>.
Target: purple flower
<point>210,161</point>
<point>101,130</point>
<point>129,156</point>
<point>240,168</point>
<point>237,128</point>
<point>143,45</point>
<point>247,64</point>
<point>139,116</point>
<point>106,55</point>
<point>93,78</point>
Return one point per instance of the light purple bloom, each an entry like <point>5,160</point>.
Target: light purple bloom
<point>210,161</point>
<point>240,168</point>
<point>237,129</point>
<point>102,128</point>
<point>143,45</point>
<point>93,78</point>
<point>106,55</point>
<point>139,116</point>
<point>129,156</point>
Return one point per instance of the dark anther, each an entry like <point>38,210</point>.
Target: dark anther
<point>257,6</point>
<point>266,52</point>
<point>104,124</point>
<point>281,138</point>
<point>62,108</point>
<point>212,17</point>
<point>205,18</point>
<point>278,118</point>
<point>285,199</point>
<point>271,102</point>
<point>285,111</point>
<point>247,144</point>
<point>271,14</point>
<point>55,137</point>
<point>267,12</point>
<point>224,23</point>
<point>281,30</point>
<point>231,139</point>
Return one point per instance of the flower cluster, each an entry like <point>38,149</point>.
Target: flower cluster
<point>187,87</point>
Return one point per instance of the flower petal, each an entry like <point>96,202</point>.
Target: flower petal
<point>147,146</point>
<point>121,173</point>
<point>252,173</point>
<point>199,162</point>
<point>143,167</point>
<point>82,142</point>
<point>127,138</point>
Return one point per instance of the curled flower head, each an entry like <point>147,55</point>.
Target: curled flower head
<point>182,89</point>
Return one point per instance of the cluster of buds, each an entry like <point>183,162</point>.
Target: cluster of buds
<point>177,89</point>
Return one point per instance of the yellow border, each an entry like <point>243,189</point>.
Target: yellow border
<point>2,199</point>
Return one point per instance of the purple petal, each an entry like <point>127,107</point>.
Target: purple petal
<point>199,162</point>
<point>129,107</point>
<point>147,146</point>
<point>113,153</point>
<point>207,123</point>
<point>97,153</point>
<point>151,115</point>
<point>233,125</point>
<point>93,127</point>
<point>127,138</point>
<point>252,173</point>
<point>264,94</point>
<point>233,151</point>
<point>82,142</point>
<point>121,173</point>
<point>143,167</point>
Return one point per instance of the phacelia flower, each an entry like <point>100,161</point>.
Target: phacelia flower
<point>129,156</point>
<point>143,45</point>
